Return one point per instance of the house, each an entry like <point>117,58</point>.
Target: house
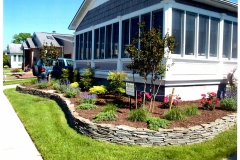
<point>206,32</point>
<point>33,46</point>
<point>16,55</point>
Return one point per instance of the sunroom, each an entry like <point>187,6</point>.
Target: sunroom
<point>206,32</point>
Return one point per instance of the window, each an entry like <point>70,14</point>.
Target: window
<point>115,40</point>
<point>234,41</point>
<point>77,48</point>
<point>19,58</point>
<point>49,37</point>
<point>177,29</point>
<point>102,42</point>
<point>108,53</point>
<point>89,45</point>
<point>81,47</point>
<point>146,18</point>
<point>14,58</point>
<point>190,33</point>
<point>157,20</point>
<point>125,38</point>
<point>85,43</point>
<point>227,39</point>
<point>203,35</point>
<point>214,31</point>
<point>96,44</point>
<point>134,29</point>
<point>69,63</point>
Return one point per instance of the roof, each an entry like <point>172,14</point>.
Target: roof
<point>86,4</point>
<point>68,38</point>
<point>14,48</point>
<point>42,38</point>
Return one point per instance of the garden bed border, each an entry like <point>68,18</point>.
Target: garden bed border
<point>123,134</point>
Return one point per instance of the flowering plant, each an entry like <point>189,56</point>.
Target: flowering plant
<point>174,102</point>
<point>209,102</point>
<point>140,96</point>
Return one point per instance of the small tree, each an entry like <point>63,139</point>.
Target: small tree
<point>52,52</point>
<point>152,56</point>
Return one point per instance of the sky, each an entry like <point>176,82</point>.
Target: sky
<point>29,16</point>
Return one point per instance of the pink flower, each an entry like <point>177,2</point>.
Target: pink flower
<point>140,100</point>
<point>175,102</point>
<point>203,95</point>
<point>210,101</point>
<point>148,95</point>
<point>217,101</point>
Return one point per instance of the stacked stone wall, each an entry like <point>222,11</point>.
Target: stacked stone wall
<point>122,134</point>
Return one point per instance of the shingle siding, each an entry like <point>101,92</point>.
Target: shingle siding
<point>113,8</point>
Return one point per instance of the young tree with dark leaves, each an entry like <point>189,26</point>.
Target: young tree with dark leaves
<point>151,57</point>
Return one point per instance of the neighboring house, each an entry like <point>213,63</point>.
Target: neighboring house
<point>16,55</point>
<point>206,32</point>
<point>33,46</point>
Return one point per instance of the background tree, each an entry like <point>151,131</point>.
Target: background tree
<point>6,59</point>
<point>152,56</point>
<point>21,37</point>
<point>50,52</point>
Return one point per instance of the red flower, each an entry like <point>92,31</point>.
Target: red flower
<point>140,100</point>
<point>203,101</point>
<point>217,101</point>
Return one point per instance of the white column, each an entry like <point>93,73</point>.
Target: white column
<point>74,51</point>
<point>220,46</point>
<point>119,62</point>
<point>167,28</point>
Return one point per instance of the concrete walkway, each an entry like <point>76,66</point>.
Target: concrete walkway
<point>15,143</point>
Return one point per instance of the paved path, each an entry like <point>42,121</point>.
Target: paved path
<point>15,143</point>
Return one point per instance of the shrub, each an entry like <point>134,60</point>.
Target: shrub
<point>229,104</point>
<point>71,92</point>
<point>86,106</point>
<point>209,102</point>
<point>41,85</point>
<point>116,81</point>
<point>105,116</point>
<point>139,114</point>
<point>98,90</point>
<point>109,107</point>
<point>167,102</point>
<point>74,84</point>
<point>14,70</point>
<point>191,110</point>
<point>174,114</point>
<point>76,75</point>
<point>154,123</point>
<point>88,98</point>
<point>231,92</point>
<point>5,66</point>
<point>65,74</point>
<point>86,80</point>
<point>62,88</point>
<point>56,86</point>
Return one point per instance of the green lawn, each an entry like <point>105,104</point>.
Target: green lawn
<point>55,140</point>
<point>18,81</point>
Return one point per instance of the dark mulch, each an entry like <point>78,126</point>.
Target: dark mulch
<point>205,116</point>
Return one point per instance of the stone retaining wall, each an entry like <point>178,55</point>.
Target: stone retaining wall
<point>122,134</point>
